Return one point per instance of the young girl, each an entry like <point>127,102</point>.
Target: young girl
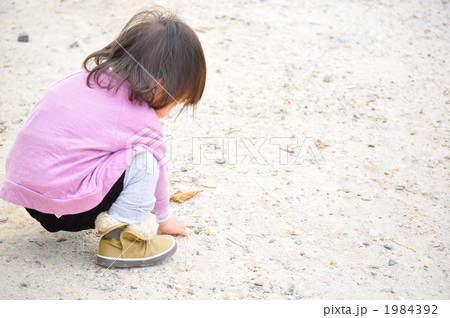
<point>91,153</point>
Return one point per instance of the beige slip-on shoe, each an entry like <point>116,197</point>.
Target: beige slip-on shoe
<point>133,245</point>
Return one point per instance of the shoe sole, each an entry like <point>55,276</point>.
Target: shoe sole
<point>111,262</point>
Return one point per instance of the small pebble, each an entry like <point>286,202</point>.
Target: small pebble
<point>327,79</point>
<point>23,37</point>
<point>183,169</point>
<point>74,45</point>
<point>291,290</point>
<point>24,284</point>
<point>272,241</point>
<point>276,203</point>
<point>298,242</point>
<point>196,231</point>
<point>3,219</point>
<point>364,198</point>
<point>375,267</point>
<point>1,241</point>
<point>387,291</point>
<point>392,262</point>
<point>400,187</point>
<point>133,287</point>
<point>259,283</point>
<point>387,246</point>
<point>221,161</point>
<point>194,179</point>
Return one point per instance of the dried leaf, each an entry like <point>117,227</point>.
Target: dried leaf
<point>61,239</point>
<point>180,197</point>
<point>321,144</point>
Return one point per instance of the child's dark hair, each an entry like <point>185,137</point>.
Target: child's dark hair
<point>154,49</point>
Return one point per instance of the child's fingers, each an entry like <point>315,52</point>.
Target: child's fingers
<point>183,232</point>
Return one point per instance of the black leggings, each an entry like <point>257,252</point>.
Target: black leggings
<point>80,221</point>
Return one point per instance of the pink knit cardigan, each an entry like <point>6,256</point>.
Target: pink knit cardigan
<point>76,144</point>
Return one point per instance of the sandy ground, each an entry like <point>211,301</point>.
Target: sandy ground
<point>281,218</point>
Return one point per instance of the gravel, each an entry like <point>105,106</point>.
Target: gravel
<point>392,262</point>
<point>23,37</point>
<point>24,284</point>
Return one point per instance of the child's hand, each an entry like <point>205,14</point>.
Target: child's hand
<point>173,225</point>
